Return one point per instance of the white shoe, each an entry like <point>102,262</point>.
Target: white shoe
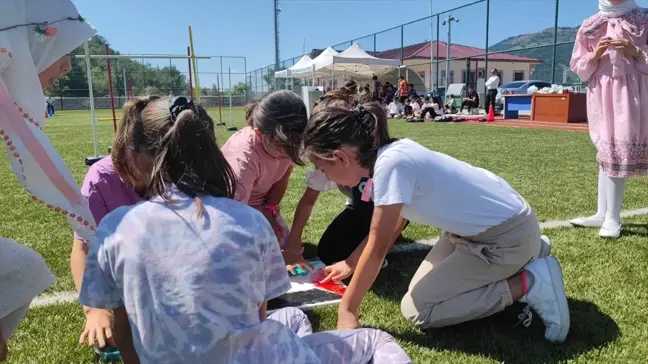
<point>610,230</point>
<point>592,221</point>
<point>547,297</point>
<point>545,246</point>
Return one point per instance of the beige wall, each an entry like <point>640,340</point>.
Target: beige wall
<point>507,69</point>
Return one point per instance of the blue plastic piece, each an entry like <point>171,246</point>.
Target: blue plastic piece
<point>299,272</point>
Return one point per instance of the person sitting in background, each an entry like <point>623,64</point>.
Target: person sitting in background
<point>395,109</point>
<point>408,110</point>
<point>450,108</point>
<point>471,100</point>
<point>437,105</point>
<point>427,108</point>
<point>416,107</point>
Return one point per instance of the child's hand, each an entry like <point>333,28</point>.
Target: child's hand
<point>4,350</point>
<point>337,272</point>
<point>98,327</point>
<point>293,262</point>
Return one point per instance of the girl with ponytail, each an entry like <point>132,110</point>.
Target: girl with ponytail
<point>491,254</point>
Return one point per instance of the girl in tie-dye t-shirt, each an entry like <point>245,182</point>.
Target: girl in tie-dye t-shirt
<point>193,269</point>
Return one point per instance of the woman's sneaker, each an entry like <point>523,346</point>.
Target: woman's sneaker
<point>547,297</point>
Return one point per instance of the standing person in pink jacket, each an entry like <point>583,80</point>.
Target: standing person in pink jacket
<point>610,54</point>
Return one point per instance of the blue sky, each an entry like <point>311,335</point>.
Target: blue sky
<point>245,28</point>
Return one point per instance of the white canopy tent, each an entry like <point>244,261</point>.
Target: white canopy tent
<point>357,63</point>
<point>310,70</point>
<point>303,62</point>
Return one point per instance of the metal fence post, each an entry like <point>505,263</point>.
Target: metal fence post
<point>436,64</point>
<point>247,90</point>
<point>401,47</point>
<point>486,49</point>
<point>553,59</point>
<point>374,36</point>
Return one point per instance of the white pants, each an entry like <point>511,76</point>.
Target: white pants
<point>343,346</point>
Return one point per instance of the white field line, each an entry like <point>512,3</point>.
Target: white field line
<point>426,244</point>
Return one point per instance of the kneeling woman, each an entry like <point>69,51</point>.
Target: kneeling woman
<point>491,253</point>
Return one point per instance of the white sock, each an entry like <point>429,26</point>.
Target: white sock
<point>602,196</point>
<point>615,191</point>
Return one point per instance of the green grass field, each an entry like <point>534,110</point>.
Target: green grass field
<point>607,281</point>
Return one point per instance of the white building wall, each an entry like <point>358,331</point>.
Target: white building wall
<point>457,68</point>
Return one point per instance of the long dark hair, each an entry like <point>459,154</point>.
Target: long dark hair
<point>181,144</point>
<point>364,128</point>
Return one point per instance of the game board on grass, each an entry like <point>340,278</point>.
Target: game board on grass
<point>307,292</point>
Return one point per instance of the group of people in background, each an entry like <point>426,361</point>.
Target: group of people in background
<point>180,243</point>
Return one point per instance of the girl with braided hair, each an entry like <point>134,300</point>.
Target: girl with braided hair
<point>491,254</point>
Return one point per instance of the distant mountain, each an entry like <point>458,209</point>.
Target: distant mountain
<point>543,38</point>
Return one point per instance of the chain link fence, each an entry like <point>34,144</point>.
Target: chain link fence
<point>523,39</point>
<point>223,81</point>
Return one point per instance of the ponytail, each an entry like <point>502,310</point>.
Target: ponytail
<point>178,137</point>
<point>249,109</point>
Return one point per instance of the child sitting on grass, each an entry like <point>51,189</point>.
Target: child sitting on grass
<point>261,155</point>
<point>395,109</point>
<point>192,269</point>
<point>491,254</point>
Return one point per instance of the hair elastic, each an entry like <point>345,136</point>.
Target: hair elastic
<point>179,104</point>
<point>359,112</point>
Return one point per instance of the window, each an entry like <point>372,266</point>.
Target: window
<point>481,73</point>
<point>443,77</point>
<point>518,75</point>
<point>464,75</point>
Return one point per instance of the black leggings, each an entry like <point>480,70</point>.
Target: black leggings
<point>346,232</point>
<point>429,110</point>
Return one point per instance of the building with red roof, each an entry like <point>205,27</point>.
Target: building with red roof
<point>417,56</point>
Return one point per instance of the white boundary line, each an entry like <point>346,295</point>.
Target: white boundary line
<point>421,245</point>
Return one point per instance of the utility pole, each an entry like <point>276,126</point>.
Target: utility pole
<point>276,32</point>
<point>448,22</point>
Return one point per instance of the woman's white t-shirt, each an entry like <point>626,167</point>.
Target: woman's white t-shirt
<point>438,109</point>
<point>441,191</point>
